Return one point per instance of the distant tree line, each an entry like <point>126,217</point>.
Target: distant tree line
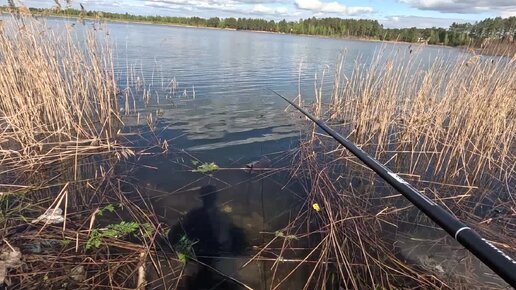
<point>456,35</point>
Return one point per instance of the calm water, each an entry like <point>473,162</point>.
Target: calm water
<point>233,120</point>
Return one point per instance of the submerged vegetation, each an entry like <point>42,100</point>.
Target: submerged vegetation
<point>207,168</point>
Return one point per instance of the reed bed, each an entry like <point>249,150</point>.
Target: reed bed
<point>58,95</point>
<point>502,47</point>
<point>449,129</point>
<point>462,113</point>
<point>60,153</point>
<point>108,238</point>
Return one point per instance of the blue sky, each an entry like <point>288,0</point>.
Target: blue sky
<point>391,13</point>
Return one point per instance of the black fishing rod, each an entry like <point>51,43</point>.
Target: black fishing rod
<point>490,255</point>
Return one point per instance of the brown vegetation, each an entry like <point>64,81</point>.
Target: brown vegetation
<point>451,131</point>
<point>59,150</point>
<point>500,47</point>
<point>57,96</point>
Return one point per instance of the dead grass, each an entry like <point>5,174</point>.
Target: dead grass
<point>458,118</point>
<point>451,131</point>
<point>59,255</point>
<point>60,148</point>
<point>58,95</point>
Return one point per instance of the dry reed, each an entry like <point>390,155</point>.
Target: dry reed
<point>59,148</point>
<point>58,95</point>
<point>449,129</point>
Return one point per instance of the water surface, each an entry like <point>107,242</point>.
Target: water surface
<point>233,120</point>
<point>221,110</point>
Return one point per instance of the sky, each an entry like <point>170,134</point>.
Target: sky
<point>390,13</point>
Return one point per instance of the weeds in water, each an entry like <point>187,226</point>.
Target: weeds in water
<point>108,208</point>
<point>207,168</point>
<point>148,230</point>
<point>59,147</point>
<point>280,234</point>
<point>58,96</point>
<point>184,249</point>
<point>113,231</point>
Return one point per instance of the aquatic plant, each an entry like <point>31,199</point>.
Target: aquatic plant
<point>108,208</point>
<point>184,249</point>
<point>207,168</point>
<point>60,144</point>
<point>280,234</point>
<point>112,231</point>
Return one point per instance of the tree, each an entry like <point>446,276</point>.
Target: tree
<point>213,22</point>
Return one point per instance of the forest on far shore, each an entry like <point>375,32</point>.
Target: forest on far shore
<point>464,34</point>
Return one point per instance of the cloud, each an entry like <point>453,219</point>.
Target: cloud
<point>209,2</point>
<point>262,9</point>
<point>508,13</point>
<point>464,6</point>
<point>234,7</point>
<point>400,21</point>
<point>111,5</point>
<point>331,7</point>
<point>190,5</point>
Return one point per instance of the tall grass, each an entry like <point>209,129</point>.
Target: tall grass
<point>450,129</point>
<point>59,148</point>
<point>457,118</point>
<point>58,95</point>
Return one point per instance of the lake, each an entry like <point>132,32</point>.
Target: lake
<point>206,93</point>
<point>233,120</point>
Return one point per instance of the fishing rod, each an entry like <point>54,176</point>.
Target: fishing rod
<point>494,258</point>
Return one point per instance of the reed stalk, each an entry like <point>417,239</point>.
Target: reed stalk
<point>450,129</point>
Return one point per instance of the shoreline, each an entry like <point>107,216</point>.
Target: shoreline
<point>233,29</point>
<point>471,50</point>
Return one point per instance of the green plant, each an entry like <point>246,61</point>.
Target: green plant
<point>112,231</point>
<point>65,243</point>
<point>207,167</point>
<point>148,230</point>
<point>184,248</point>
<point>109,208</point>
<point>280,234</point>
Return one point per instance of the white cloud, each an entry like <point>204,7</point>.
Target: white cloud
<point>331,7</point>
<point>233,7</point>
<point>400,21</point>
<point>464,6</point>
<point>222,5</point>
<point>508,13</point>
<point>262,9</point>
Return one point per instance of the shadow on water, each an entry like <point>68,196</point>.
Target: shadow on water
<point>212,234</point>
<point>222,219</point>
